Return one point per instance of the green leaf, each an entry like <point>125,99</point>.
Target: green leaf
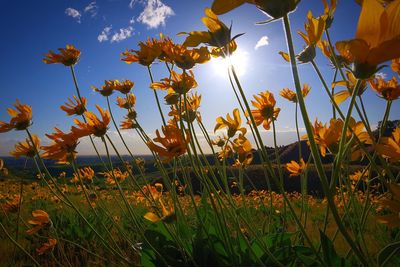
<point>388,252</point>
<point>329,253</point>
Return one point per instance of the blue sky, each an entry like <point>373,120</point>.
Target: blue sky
<point>103,29</point>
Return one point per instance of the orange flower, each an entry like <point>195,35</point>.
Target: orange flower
<point>86,174</point>
<point>224,51</point>
<point>128,123</point>
<point>124,87</point>
<point>126,102</point>
<point>51,243</point>
<point>75,108</point>
<point>291,96</point>
<point>12,206</point>
<point>115,174</point>
<point>68,56</point>
<point>149,51</point>
<point>20,118</point>
<point>190,111</point>
<point>93,125</point>
<point>328,12</point>
<point>107,89</point>
<point>62,148</point>
<point>265,111</point>
<point>179,83</point>
<point>389,147</point>
<point>295,168</point>
<point>396,65</point>
<point>186,58</point>
<point>350,83</point>
<point>174,143</point>
<point>389,90</point>
<point>40,220</point>
<point>233,124</point>
<point>242,147</point>
<point>328,137</point>
<point>26,148</point>
<point>377,38</point>
<point>167,215</point>
<point>314,29</point>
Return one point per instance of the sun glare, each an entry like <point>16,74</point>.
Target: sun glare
<point>239,60</point>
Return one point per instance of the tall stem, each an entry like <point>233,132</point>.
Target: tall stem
<point>156,97</point>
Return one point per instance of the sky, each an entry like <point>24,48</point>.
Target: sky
<point>103,29</point>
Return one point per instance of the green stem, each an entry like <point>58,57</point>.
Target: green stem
<point>156,97</point>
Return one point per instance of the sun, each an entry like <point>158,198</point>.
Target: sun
<point>239,60</point>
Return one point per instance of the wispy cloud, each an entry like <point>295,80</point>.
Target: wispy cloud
<point>122,34</point>
<point>132,4</point>
<point>103,36</point>
<point>92,8</point>
<point>155,14</point>
<point>75,14</point>
<point>262,42</point>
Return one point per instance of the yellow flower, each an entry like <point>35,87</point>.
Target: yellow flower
<point>126,102</point>
<point>75,108</point>
<point>62,148</point>
<point>314,29</point>
<point>377,38</point>
<point>179,83</point>
<point>296,169</point>
<point>51,243</point>
<point>292,96</point>
<point>389,90</point>
<point>148,52</point>
<point>328,137</point>
<point>20,118</point>
<point>224,51</point>
<point>115,174</point>
<point>389,147</point>
<point>188,113</point>
<point>285,56</point>
<point>265,111</point>
<point>186,58</point>
<point>350,83</point>
<point>167,215</point>
<point>233,124</point>
<point>68,56</point>
<point>26,148</point>
<point>123,87</point>
<point>328,12</point>
<point>174,143</point>
<point>86,174</point>
<point>396,65</point>
<point>93,124</point>
<point>40,220</point>
<point>107,89</point>
<point>274,8</point>
<point>393,203</point>
<point>242,147</point>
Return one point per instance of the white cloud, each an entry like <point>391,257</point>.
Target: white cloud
<point>155,13</point>
<point>262,42</point>
<point>123,34</point>
<point>103,36</point>
<point>73,13</point>
<point>132,3</point>
<point>92,8</point>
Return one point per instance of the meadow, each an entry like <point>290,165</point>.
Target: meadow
<point>332,198</point>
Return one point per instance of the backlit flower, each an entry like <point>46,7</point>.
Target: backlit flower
<point>123,87</point>
<point>296,168</point>
<point>107,89</point>
<point>149,51</point>
<point>40,220</point>
<point>389,90</point>
<point>350,83</point>
<point>86,174</point>
<point>265,111</point>
<point>232,123</point>
<point>243,148</point>
<point>93,124</point>
<point>224,51</point>
<point>327,137</point>
<point>377,38</point>
<point>188,109</point>
<point>62,148</point>
<point>274,8</point>
<point>186,58</point>
<point>167,215</point>
<point>389,147</point>
<point>174,143</point>
<point>128,123</point>
<point>126,102</point>
<point>179,83</point>
<point>314,29</point>
<point>76,107</point>
<point>20,118</point>
<point>50,244</point>
<point>68,56</point>
<point>27,149</point>
<point>115,174</point>
<point>328,12</point>
<point>292,96</point>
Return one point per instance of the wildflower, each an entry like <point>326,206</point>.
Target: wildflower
<point>115,174</point>
<point>188,110</point>
<point>128,123</point>
<point>377,38</point>
<point>295,168</point>
<point>224,51</point>
<point>27,148</point>
<point>350,83</point>
<point>291,96</point>
<point>155,192</point>
<point>171,98</point>
<point>179,83</point>
<point>40,220</point>
<point>396,65</point>
<point>233,124</point>
<point>225,153</point>
<point>123,87</point>
<point>328,12</point>
<point>167,215</point>
<point>86,174</point>
<point>327,137</point>
<point>393,203</point>
<point>359,175</point>
<point>62,148</point>
<point>126,102</point>
<point>389,90</point>
<point>186,58</point>
<point>2,168</point>
<point>68,56</point>
<point>51,243</point>
<point>274,8</point>
<point>93,125</point>
<point>220,142</point>
<point>75,108</point>
<point>389,147</point>
<point>242,147</point>
<point>107,89</point>
<point>314,29</point>
<point>12,206</point>
<point>285,56</point>
<point>265,111</point>
<point>174,143</point>
<point>149,51</point>
<point>20,118</point>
